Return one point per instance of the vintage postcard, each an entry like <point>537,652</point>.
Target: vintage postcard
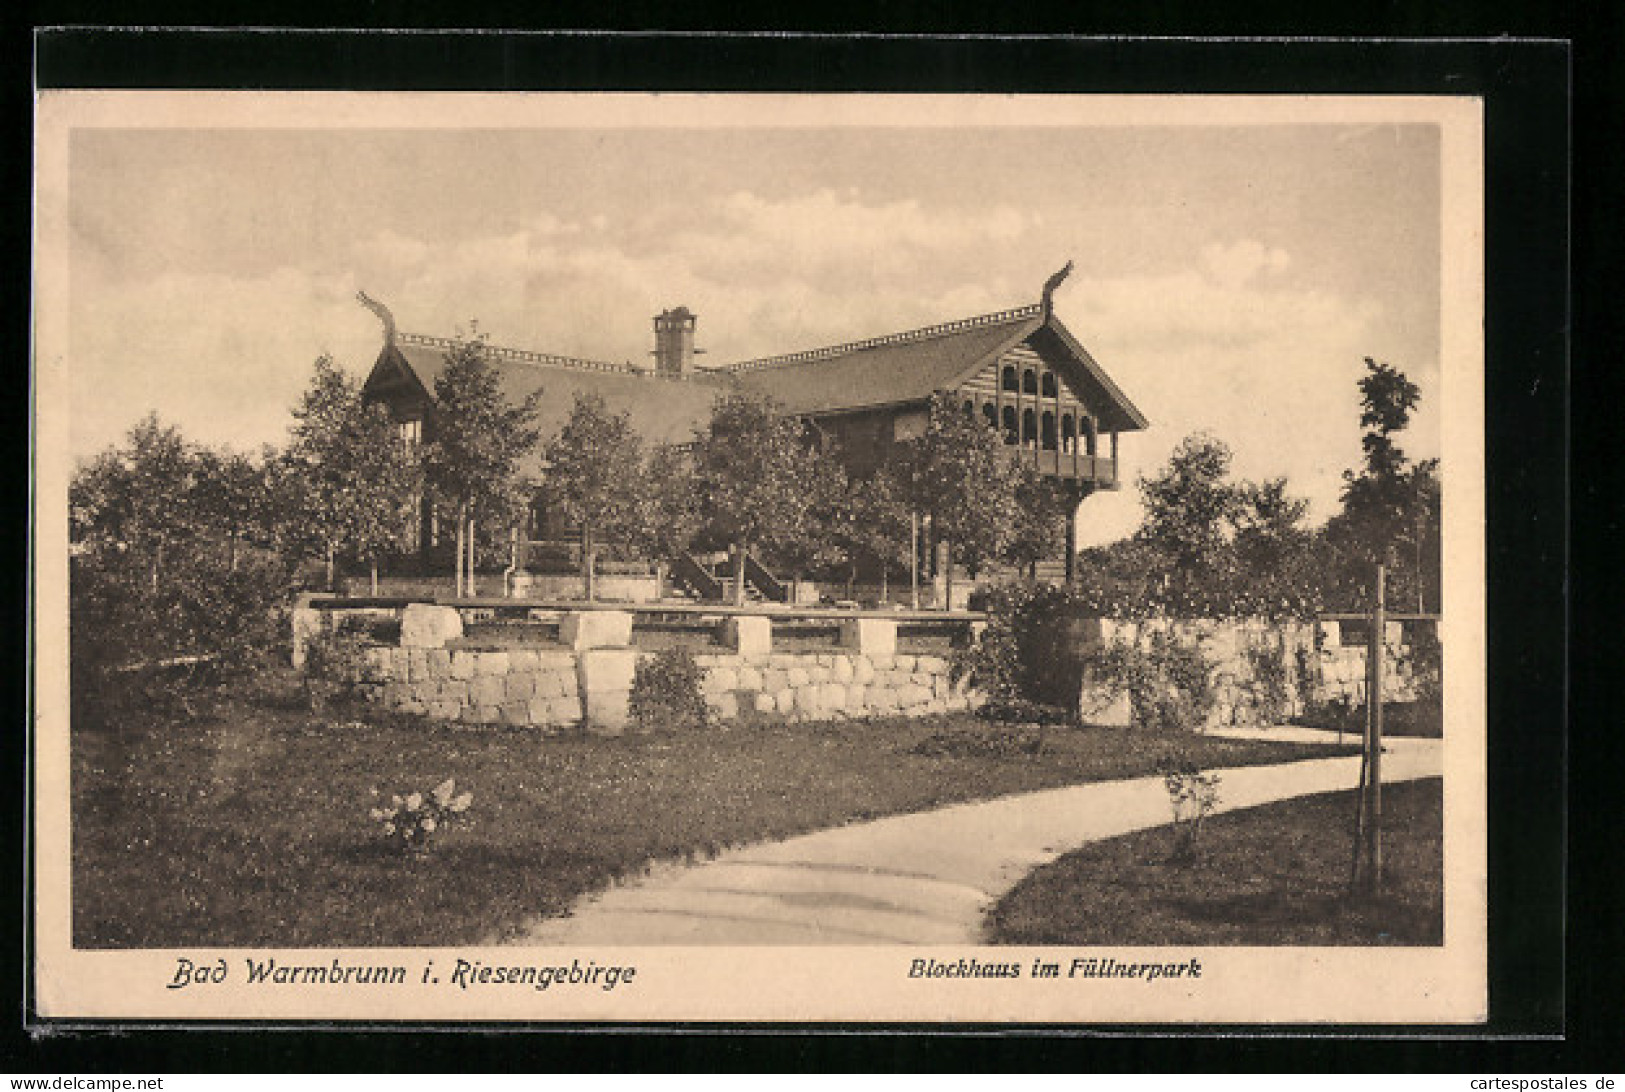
<point>722,558</point>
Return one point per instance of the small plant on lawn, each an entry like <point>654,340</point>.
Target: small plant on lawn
<point>667,694</point>
<point>409,822</point>
<point>1192,794</point>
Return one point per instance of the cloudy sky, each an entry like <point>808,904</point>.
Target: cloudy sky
<point>1230,278</point>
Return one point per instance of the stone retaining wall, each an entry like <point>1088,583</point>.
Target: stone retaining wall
<point>557,690</point>
<point>1314,666</point>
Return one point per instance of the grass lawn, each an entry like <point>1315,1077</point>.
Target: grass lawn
<point>246,823</point>
<point>1276,874</point>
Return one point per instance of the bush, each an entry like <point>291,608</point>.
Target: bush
<point>334,663</point>
<point>1192,795</point>
<point>410,822</point>
<point>666,692</point>
<point>1271,692</point>
<point>133,643</point>
<point>1023,656</point>
<point>1167,680</point>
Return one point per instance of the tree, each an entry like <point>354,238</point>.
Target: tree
<point>355,478</point>
<point>155,581</point>
<point>1391,507</point>
<point>1190,512</point>
<point>1275,556</point>
<point>594,475</point>
<point>871,527</point>
<point>752,478</point>
<point>140,501</point>
<point>472,463</point>
<point>959,476</point>
<point>1039,531</point>
<point>667,513</point>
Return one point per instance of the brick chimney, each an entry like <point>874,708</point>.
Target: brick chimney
<point>674,342</point>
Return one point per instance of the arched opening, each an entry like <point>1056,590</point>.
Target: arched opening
<point>1010,435</point>
<point>1008,378</point>
<point>1029,382</point>
<point>1069,434</point>
<point>1089,436</point>
<point>1047,432</point>
<point>1050,389</point>
<point>990,414</point>
<point>970,409</point>
<point>1029,427</point>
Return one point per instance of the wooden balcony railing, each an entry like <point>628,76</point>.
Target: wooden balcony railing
<point>1068,465</point>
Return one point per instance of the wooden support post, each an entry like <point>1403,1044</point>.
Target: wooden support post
<point>1379,623</point>
<point>914,560</point>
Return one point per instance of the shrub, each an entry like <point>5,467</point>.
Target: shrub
<point>1193,795</point>
<point>1271,693</point>
<point>1166,679</point>
<point>138,643</point>
<point>334,664</point>
<point>666,692</point>
<point>1022,657</point>
<point>409,822</point>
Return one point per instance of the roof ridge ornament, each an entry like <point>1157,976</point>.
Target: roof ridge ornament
<point>1048,303</point>
<point>383,314</point>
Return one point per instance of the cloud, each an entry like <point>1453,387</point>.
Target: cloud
<point>1236,264</point>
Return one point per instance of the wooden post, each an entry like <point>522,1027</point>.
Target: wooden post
<point>1379,623</point>
<point>914,560</point>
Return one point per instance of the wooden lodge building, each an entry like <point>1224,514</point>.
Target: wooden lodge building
<point>1021,371</point>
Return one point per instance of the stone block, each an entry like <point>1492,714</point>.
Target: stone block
<point>832,696</point>
<point>720,680</point>
<point>487,714</point>
<point>417,664</point>
<point>603,669</point>
<point>463,665</point>
<point>490,663</point>
<point>584,629</point>
<point>882,698</point>
<point>904,664</point>
<point>723,706</point>
<point>488,690</point>
<point>750,678</point>
<point>521,686</point>
<point>556,661</point>
<point>870,636</point>
<point>863,670</point>
<point>604,678</point>
<point>935,665</point>
<point>841,670</point>
<point>564,710</point>
<point>913,694</point>
<point>516,713</point>
<point>424,625</point>
<point>437,663</point>
<point>764,703</point>
<point>523,660</point>
<point>445,710</point>
<point>819,673</point>
<point>857,698</point>
<point>748,635</point>
<point>808,700</point>
<point>797,677</point>
<point>606,713</point>
<point>784,700</point>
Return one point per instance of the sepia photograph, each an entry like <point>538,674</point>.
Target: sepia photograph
<point>620,557</point>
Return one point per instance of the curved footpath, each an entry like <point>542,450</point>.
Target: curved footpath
<point>924,878</point>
